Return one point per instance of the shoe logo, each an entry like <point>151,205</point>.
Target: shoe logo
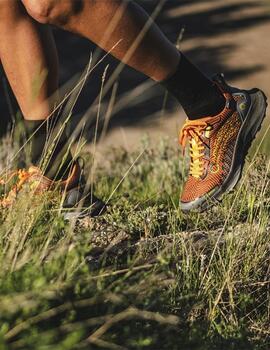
<point>208,129</point>
<point>242,106</point>
<point>214,168</point>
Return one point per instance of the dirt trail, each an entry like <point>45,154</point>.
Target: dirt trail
<point>232,37</point>
<point>229,36</point>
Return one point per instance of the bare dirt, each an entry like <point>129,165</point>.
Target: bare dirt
<point>229,36</point>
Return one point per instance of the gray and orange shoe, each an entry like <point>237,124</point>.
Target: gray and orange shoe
<point>78,201</point>
<point>218,146</point>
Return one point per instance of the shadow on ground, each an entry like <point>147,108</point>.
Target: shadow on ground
<point>207,22</point>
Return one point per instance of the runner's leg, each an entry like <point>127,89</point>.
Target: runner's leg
<point>30,61</point>
<point>140,44</point>
<point>225,120</point>
<point>28,53</point>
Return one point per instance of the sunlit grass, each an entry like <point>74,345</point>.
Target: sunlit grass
<point>66,285</point>
<point>144,275</point>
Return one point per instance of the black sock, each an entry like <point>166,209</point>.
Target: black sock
<point>46,150</point>
<point>198,95</point>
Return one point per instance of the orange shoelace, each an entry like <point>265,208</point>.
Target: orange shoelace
<point>192,132</point>
<point>22,175</point>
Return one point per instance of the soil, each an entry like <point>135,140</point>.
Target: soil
<point>220,36</point>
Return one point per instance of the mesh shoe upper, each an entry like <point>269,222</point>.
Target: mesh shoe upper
<point>211,144</point>
<point>78,201</point>
<point>37,182</point>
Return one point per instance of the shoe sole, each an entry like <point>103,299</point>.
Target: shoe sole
<point>96,209</point>
<point>82,213</point>
<point>251,126</point>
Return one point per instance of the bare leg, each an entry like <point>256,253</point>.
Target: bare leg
<point>29,58</point>
<point>105,22</point>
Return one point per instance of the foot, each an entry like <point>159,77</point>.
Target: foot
<point>78,202</point>
<point>218,146</point>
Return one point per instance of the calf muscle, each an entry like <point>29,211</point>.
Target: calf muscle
<point>107,22</point>
<point>33,77</point>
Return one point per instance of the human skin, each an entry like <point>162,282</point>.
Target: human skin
<point>113,22</point>
<point>29,59</point>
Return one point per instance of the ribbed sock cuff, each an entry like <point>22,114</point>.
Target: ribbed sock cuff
<point>197,94</point>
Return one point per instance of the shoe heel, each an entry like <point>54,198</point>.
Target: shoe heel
<point>256,115</point>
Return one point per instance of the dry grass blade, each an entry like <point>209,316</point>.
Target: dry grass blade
<point>131,313</point>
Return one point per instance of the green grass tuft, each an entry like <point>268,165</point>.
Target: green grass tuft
<point>143,276</point>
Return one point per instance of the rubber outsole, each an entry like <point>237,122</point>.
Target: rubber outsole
<point>249,129</point>
<point>81,213</point>
<point>77,205</point>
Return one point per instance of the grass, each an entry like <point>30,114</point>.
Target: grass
<point>143,276</point>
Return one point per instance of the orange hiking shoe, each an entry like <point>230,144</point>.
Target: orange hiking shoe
<point>77,203</point>
<point>218,146</point>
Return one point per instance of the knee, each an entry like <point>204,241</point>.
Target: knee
<point>57,12</point>
<point>40,10</point>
